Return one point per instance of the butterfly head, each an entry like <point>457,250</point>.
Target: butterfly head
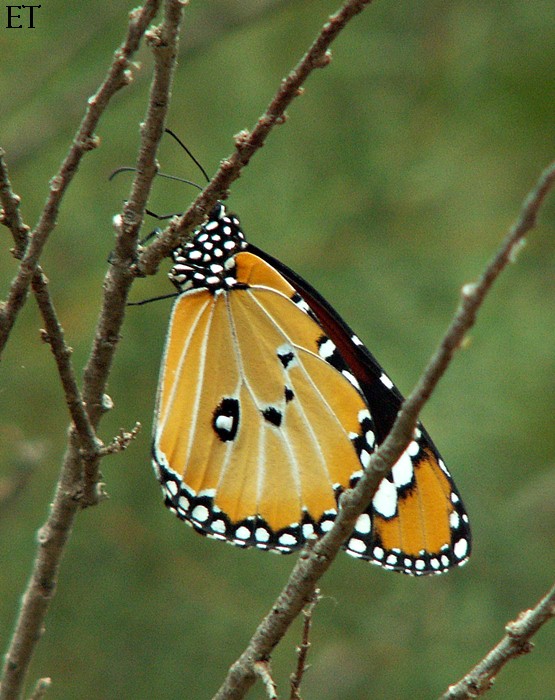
<point>207,261</point>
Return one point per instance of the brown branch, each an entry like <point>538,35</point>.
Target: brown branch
<point>247,143</point>
<point>53,333</point>
<point>515,643</point>
<point>10,213</point>
<point>119,75</point>
<point>69,496</point>
<point>302,650</point>
<point>163,41</point>
<point>314,562</point>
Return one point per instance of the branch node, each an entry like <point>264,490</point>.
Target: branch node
<point>89,143</point>
<point>153,38</point>
<point>106,403</point>
<point>323,60</point>
<point>264,671</point>
<point>241,140</point>
<point>468,290</point>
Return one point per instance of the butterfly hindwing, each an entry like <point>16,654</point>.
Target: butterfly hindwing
<point>416,522</point>
<point>269,407</point>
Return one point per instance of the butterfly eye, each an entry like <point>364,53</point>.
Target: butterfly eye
<point>269,407</point>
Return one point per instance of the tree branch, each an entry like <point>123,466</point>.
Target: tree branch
<point>119,277</point>
<point>313,562</point>
<point>53,334</point>
<point>515,643</point>
<point>69,496</point>
<point>119,75</point>
<point>302,650</point>
<point>247,143</point>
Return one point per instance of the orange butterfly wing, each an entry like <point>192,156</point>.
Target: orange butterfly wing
<point>268,407</point>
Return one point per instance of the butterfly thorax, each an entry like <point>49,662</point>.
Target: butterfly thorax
<point>207,261</point>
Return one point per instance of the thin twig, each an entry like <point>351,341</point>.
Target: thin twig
<point>121,442</point>
<point>247,143</point>
<point>312,564</point>
<point>119,75</point>
<point>69,496</point>
<point>264,671</point>
<point>53,334</point>
<point>11,214</point>
<point>515,643</point>
<point>302,649</point>
<point>42,686</point>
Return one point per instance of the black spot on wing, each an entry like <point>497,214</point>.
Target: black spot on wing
<point>273,415</point>
<point>286,356</point>
<point>225,419</point>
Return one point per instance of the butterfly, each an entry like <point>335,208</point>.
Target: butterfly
<point>269,407</point>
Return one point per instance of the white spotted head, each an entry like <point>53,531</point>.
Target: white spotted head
<point>207,261</point>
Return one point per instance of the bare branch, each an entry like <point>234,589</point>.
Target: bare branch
<point>53,334</point>
<point>10,213</point>
<point>515,643</point>
<point>164,42</point>
<point>247,143</point>
<point>119,75</point>
<point>302,650</point>
<point>69,496</point>
<point>312,564</point>
<point>90,444</point>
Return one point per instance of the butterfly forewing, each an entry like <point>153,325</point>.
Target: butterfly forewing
<point>269,407</point>
<point>256,428</point>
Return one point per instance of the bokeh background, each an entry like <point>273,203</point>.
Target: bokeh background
<point>388,188</point>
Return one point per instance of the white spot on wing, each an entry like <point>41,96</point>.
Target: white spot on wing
<point>461,548</point>
<point>364,524</point>
<point>386,381</point>
<point>242,533</point>
<point>200,513</point>
<point>402,471</point>
<point>385,500</point>
<point>357,545</point>
<point>327,348</point>
<point>261,534</point>
<point>288,540</point>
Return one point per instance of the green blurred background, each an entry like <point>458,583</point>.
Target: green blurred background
<point>388,188</point>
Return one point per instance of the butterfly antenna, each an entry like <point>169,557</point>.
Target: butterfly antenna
<point>191,156</point>
<point>127,169</point>
<point>124,169</point>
